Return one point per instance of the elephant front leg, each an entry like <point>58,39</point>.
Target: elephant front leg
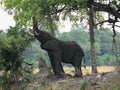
<point>55,58</point>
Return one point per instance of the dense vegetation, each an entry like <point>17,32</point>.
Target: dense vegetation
<point>12,47</point>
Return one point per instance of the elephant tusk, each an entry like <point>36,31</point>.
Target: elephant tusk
<point>36,33</point>
<point>30,33</point>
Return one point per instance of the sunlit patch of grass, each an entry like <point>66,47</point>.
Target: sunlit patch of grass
<point>36,70</point>
<point>106,68</point>
<point>88,69</point>
<point>72,85</point>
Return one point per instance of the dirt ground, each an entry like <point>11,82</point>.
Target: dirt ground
<point>107,78</point>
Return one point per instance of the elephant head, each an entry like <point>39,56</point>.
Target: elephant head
<point>37,33</point>
<point>42,36</point>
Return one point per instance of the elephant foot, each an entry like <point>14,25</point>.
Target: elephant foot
<point>77,75</point>
<point>59,75</point>
<point>62,75</point>
<point>56,77</point>
<point>67,75</point>
<point>78,72</point>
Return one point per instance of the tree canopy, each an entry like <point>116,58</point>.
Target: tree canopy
<point>54,9</point>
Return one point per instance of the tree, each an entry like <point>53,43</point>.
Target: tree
<point>92,39</point>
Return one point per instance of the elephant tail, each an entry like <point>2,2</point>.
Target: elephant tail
<point>84,62</point>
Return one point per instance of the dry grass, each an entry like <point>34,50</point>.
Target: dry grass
<point>106,68</point>
<point>73,86</point>
<point>36,70</point>
<point>72,83</point>
<point>88,69</point>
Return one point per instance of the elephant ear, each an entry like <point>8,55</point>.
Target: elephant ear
<point>50,45</point>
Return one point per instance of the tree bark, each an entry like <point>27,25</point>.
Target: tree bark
<point>92,39</point>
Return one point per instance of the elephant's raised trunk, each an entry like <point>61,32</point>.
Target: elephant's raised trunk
<point>35,26</point>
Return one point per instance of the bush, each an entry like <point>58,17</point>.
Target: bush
<point>11,50</point>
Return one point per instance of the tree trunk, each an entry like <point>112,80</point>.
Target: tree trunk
<point>92,39</point>
<point>50,22</point>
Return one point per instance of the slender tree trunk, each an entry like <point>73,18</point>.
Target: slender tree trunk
<point>92,39</point>
<point>50,22</point>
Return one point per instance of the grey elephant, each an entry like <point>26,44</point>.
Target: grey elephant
<point>59,51</point>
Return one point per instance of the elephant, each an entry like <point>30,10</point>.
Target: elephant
<point>59,51</point>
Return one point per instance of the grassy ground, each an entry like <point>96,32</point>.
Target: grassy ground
<point>75,83</point>
<point>88,70</point>
<point>79,83</point>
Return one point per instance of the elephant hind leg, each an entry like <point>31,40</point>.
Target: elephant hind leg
<point>62,70</point>
<point>78,72</point>
<point>77,64</point>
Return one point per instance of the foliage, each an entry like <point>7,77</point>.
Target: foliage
<point>12,48</point>
<point>11,51</point>
<point>24,9</point>
<point>106,59</point>
<point>74,9</point>
<point>4,81</point>
<point>27,78</point>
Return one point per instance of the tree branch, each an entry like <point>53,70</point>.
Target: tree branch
<point>115,25</point>
<point>109,21</point>
<point>105,8</point>
<point>57,11</point>
<point>101,22</point>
